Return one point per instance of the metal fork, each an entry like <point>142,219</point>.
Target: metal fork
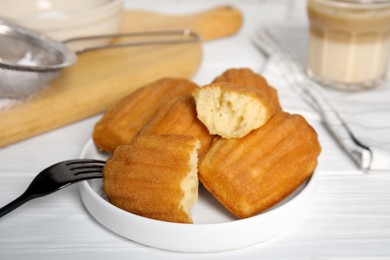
<point>56,177</point>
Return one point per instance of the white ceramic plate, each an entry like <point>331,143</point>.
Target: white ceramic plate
<point>214,228</point>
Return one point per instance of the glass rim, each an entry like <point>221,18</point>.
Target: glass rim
<point>358,4</point>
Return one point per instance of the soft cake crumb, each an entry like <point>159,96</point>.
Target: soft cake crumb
<point>230,110</point>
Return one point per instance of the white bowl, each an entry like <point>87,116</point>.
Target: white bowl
<point>65,19</point>
<point>214,228</point>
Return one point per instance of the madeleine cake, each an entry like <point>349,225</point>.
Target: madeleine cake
<point>230,110</point>
<point>251,174</point>
<point>122,123</point>
<point>179,117</point>
<point>155,177</point>
<point>247,78</point>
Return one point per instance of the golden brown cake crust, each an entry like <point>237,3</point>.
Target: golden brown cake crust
<point>145,176</point>
<point>247,78</point>
<point>253,173</point>
<point>121,124</point>
<point>178,116</point>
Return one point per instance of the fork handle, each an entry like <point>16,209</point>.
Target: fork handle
<point>14,204</point>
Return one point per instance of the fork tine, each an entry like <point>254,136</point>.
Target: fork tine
<point>85,164</point>
<point>84,161</point>
<point>97,170</point>
<point>89,174</point>
<point>86,168</point>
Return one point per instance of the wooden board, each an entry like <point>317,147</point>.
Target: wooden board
<point>100,78</point>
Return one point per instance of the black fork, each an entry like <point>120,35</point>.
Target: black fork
<point>55,178</point>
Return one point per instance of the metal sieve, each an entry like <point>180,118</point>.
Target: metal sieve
<point>29,59</point>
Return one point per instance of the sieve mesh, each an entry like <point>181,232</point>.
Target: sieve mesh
<point>28,60</point>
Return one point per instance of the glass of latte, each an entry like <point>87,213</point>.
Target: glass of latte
<point>349,42</point>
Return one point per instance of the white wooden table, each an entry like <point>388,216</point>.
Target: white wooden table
<point>350,218</point>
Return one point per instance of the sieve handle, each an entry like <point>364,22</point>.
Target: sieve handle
<point>186,36</point>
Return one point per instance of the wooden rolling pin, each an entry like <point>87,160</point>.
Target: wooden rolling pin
<point>101,78</point>
<point>219,22</point>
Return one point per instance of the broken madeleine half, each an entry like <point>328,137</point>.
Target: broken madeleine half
<point>155,176</point>
<point>249,79</point>
<point>231,110</point>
